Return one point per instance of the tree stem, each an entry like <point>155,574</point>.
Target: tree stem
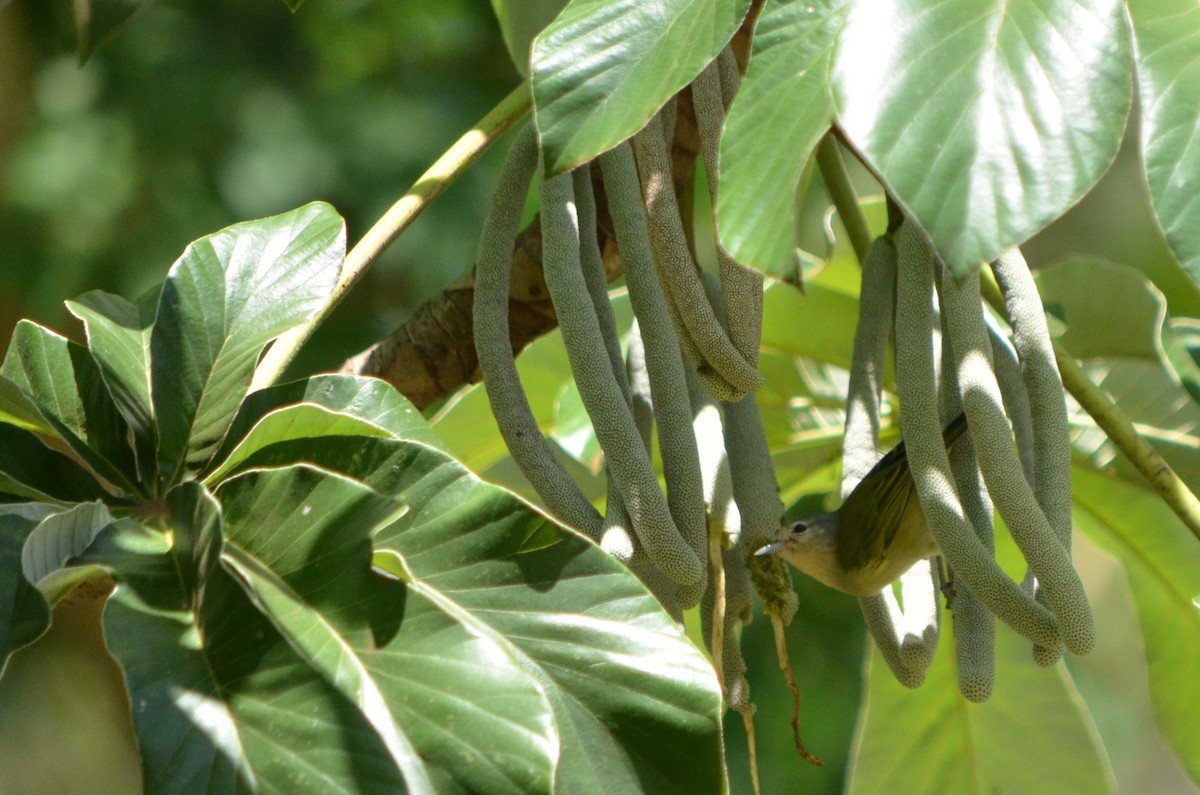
<point>457,159</point>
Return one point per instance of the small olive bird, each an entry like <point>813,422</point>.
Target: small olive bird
<point>877,534</point>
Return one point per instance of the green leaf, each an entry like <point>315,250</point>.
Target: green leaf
<point>60,537</point>
<point>604,67</point>
<point>63,381</point>
<point>97,21</point>
<point>783,108</point>
<point>24,612</point>
<point>986,120</point>
<point>1122,352</point>
<point>307,421</point>
<point>369,399</point>
<point>229,295</point>
<point>221,701</point>
<point>392,647</point>
<point>31,470</point>
<point>1162,562</point>
<point>1015,742</point>
<point>1169,92</point>
<point>635,703</point>
<point>521,21</point>
<point>118,334</point>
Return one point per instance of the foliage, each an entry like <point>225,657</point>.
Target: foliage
<point>307,587</point>
<point>141,458</point>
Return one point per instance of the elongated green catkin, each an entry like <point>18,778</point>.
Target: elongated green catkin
<point>741,287</point>
<point>754,486</point>
<point>723,514</point>
<point>494,349</point>
<point>971,561</point>
<point>677,271</point>
<point>616,536</point>
<point>1016,399</point>
<point>1048,410</point>
<point>875,310</point>
<point>664,366</point>
<point>731,76</point>
<point>640,398</point>
<point>974,627</point>
<point>906,652</point>
<point>1002,470</point>
<point>610,413</point>
<point>592,262</point>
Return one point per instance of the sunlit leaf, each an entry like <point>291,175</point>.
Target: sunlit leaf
<point>986,120</point>
<point>604,67</point>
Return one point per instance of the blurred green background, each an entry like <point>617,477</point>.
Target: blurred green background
<point>200,114</point>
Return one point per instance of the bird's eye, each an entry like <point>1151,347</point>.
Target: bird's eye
<point>799,527</point>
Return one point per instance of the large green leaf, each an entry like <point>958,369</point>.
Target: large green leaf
<point>635,704</point>
<point>392,646</point>
<point>60,537</point>
<point>1015,742</point>
<point>1169,90</point>
<point>24,612</point>
<point>221,701</point>
<point>782,110</point>
<point>118,334</point>
<point>1162,562</point>
<point>31,470</point>
<point>229,295</point>
<point>1122,352</point>
<point>63,381</point>
<point>369,399</point>
<point>521,21</point>
<point>986,120</point>
<point>604,67</point>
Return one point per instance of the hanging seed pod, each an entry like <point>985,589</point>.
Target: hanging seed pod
<point>494,349</point>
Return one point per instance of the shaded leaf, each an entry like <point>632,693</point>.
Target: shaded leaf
<point>60,537</point>
<point>391,647</point>
<point>521,21</point>
<point>1015,742</point>
<point>783,108</point>
<point>118,334</point>
<point>1162,561</point>
<point>986,120</point>
<point>604,67</point>
<point>63,381</point>
<point>24,612</point>
<point>1169,92</point>
<point>221,702</point>
<point>31,470</point>
<point>634,702</point>
<point>229,295</point>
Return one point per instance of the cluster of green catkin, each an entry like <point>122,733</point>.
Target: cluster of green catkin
<point>953,357</point>
<point>686,380</point>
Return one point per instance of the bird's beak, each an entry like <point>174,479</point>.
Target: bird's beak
<point>770,548</point>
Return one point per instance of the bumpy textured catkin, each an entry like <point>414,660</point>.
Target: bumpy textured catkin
<point>639,385</point>
<point>974,627</point>
<point>678,273</point>
<point>1052,451</point>
<point>971,561</point>
<point>610,413</point>
<point>723,514</point>
<point>494,349</point>
<point>1002,470</point>
<point>741,287</point>
<point>739,607</point>
<point>664,368</point>
<point>1016,399</point>
<point>754,486</point>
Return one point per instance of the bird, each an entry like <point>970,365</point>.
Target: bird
<point>878,534</point>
